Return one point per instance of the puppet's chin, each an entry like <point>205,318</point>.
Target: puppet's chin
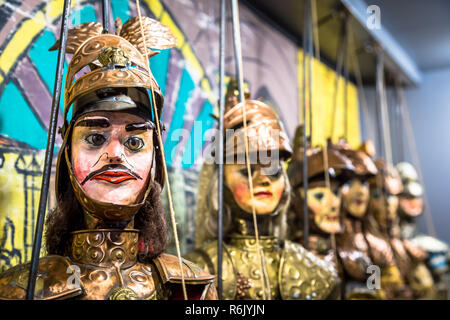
<point>124,193</point>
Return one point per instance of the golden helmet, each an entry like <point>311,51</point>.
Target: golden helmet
<point>109,72</point>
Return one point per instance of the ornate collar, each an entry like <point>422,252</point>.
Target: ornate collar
<point>105,247</point>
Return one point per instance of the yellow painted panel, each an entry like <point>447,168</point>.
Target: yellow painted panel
<point>54,8</point>
<point>323,92</point>
<point>156,7</point>
<point>167,20</point>
<point>17,203</point>
<point>23,36</point>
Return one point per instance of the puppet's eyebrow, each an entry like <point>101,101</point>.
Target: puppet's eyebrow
<point>95,122</point>
<point>139,126</point>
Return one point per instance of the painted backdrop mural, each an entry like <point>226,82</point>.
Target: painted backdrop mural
<point>187,75</point>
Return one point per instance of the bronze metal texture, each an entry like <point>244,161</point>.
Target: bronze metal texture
<point>265,131</point>
<point>293,272</point>
<point>337,162</point>
<point>133,74</point>
<point>102,264</point>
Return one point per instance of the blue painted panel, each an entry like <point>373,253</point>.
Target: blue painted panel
<point>159,65</point>
<point>13,107</point>
<point>186,87</point>
<point>203,123</point>
<point>45,62</point>
<point>121,9</point>
<point>87,14</point>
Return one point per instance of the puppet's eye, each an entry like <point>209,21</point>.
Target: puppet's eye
<point>319,195</point>
<point>244,172</point>
<point>134,143</point>
<point>95,139</point>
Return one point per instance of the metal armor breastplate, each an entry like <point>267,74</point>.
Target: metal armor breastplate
<point>108,265</point>
<point>102,264</point>
<point>294,272</point>
<point>353,251</point>
<point>243,253</point>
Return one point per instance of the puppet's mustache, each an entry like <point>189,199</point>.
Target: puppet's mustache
<point>110,167</point>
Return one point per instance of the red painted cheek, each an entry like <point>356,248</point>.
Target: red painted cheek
<point>241,192</point>
<point>80,168</point>
<point>280,192</point>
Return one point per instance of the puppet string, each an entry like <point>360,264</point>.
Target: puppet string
<point>166,176</point>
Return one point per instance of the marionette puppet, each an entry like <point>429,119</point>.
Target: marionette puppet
<point>405,274</point>
<point>323,197</point>
<point>352,249</point>
<point>282,269</point>
<point>108,228</point>
<point>410,209</point>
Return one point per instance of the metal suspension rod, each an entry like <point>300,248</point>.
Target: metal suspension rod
<point>237,49</point>
<point>368,125</point>
<point>306,35</point>
<point>106,15</point>
<point>239,74</point>
<point>310,66</point>
<point>399,127</point>
<point>339,63</point>
<point>316,44</point>
<point>414,154</point>
<point>346,77</point>
<point>381,92</point>
<point>49,152</point>
<point>221,143</point>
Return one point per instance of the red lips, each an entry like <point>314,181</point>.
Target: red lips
<point>114,176</point>
<point>263,194</point>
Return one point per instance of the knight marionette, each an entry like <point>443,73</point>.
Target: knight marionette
<point>352,249</point>
<point>410,209</point>
<point>107,236</point>
<point>327,171</point>
<point>282,269</point>
<point>404,273</point>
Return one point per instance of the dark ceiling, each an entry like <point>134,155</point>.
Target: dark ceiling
<point>421,28</point>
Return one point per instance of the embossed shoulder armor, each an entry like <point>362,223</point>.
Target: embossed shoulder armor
<point>52,281</point>
<point>57,280</point>
<point>301,274</point>
<point>305,276</point>
<point>199,282</point>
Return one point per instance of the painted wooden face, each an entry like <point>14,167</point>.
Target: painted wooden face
<point>356,194</point>
<point>412,206</point>
<point>268,186</point>
<point>325,205</point>
<point>383,206</point>
<point>112,156</point>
